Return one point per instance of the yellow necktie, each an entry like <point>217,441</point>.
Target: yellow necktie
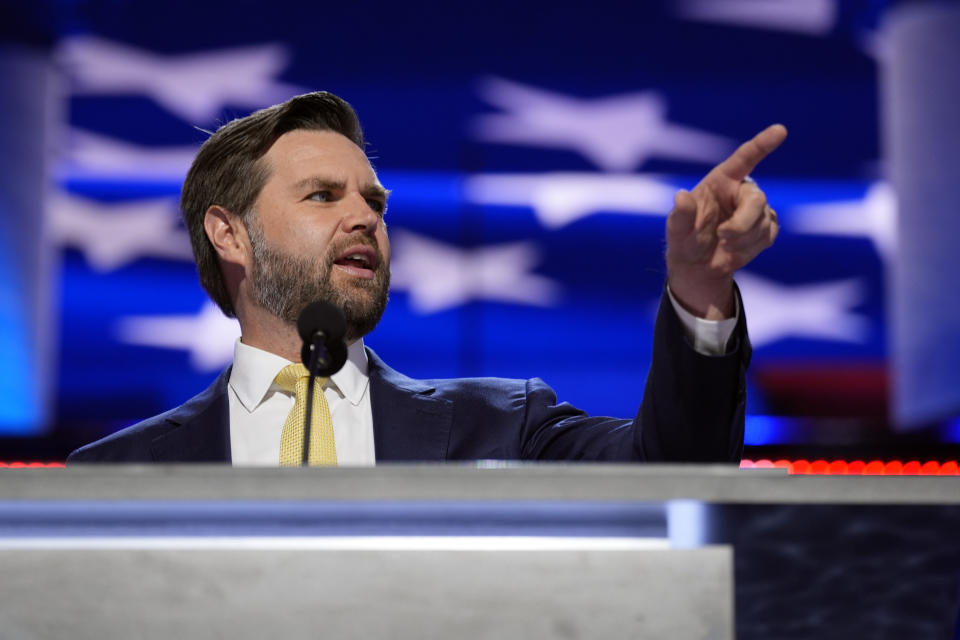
<point>323,449</point>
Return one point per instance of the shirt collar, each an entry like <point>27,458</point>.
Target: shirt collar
<point>255,369</point>
<point>353,377</point>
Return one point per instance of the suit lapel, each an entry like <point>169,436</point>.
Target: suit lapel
<point>200,429</point>
<point>409,423</point>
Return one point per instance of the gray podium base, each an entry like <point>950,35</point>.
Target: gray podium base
<point>814,556</point>
<point>375,593</point>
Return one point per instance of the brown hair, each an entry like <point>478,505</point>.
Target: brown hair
<point>228,172</point>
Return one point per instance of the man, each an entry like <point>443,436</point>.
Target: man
<point>283,208</point>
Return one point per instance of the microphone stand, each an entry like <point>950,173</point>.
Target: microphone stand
<point>319,358</point>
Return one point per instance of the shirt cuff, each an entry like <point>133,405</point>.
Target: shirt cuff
<point>708,337</point>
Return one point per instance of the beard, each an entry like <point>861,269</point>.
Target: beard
<point>284,283</point>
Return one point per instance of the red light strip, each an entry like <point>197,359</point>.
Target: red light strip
<point>31,465</point>
<point>857,467</point>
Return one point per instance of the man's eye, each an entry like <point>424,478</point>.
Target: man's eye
<point>320,196</point>
<point>378,206</point>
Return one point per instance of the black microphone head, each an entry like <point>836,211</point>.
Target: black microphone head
<point>321,316</point>
<point>327,319</point>
<point>336,358</point>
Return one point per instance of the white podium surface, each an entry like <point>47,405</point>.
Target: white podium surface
<point>476,481</point>
<point>229,592</point>
<point>422,551</point>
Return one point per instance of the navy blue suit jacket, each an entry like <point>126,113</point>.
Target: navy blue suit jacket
<point>692,410</point>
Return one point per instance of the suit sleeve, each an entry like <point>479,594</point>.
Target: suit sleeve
<point>692,409</point>
<point>693,405</point>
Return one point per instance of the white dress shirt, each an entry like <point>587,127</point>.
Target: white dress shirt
<point>259,407</point>
<point>709,337</point>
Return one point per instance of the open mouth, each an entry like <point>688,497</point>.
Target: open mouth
<point>360,261</point>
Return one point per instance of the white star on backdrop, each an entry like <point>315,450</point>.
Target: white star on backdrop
<point>873,217</point>
<point>97,155</point>
<point>818,311</point>
<point>617,133</point>
<point>559,199</point>
<point>195,86</point>
<point>208,336</point>
<point>811,17</point>
<point>113,235</point>
<point>439,276</point>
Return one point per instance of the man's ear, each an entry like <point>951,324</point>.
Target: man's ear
<point>227,234</point>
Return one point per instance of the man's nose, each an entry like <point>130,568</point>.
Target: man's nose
<point>360,216</point>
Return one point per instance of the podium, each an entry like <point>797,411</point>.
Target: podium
<point>485,550</point>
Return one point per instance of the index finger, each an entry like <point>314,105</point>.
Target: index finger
<point>748,155</point>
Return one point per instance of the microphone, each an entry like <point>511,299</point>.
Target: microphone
<point>322,326</point>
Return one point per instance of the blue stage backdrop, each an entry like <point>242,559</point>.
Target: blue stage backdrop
<point>533,152</point>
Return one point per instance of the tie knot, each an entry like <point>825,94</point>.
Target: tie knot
<point>288,376</point>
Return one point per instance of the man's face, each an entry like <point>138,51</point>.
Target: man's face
<point>317,231</point>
